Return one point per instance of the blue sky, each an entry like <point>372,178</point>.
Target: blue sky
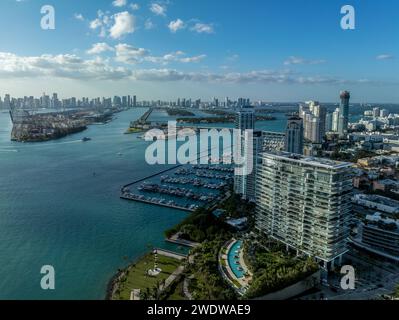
<point>274,50</point>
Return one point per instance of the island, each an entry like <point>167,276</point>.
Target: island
<point>223,119</point>
<point>39,127</point>
<point>179,112</point>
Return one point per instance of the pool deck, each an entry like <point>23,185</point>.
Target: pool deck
<point>244,281</point>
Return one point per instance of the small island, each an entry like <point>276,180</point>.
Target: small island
<point>179,112</point>
<point>49,126</point>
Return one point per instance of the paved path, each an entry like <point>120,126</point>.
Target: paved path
<point>171,254</point>
<point>135,295</point>
<point>187,292</point>
<point>172,278</point>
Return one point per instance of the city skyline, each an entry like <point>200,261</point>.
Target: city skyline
<point>159,49</point>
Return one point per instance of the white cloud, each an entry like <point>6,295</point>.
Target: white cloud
<point>124,24</point>
<point>203,28</point>
<point>298,60</point>
<point>79,16</point>
<point>134,6</point>
<point>59,66</point>
<point>385,57</point>
<point>158,9</point>
<point>177,56</point>
<point>102,22</point>
<point>193,59</point>
<point>148,25</point>
<point>98,48</point>
<point>71,66</point>
<point>176,25</point>
<point>96,23</point>
<point>119,3</point>
<point>130,55</point>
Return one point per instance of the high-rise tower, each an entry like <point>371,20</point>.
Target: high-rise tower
<point>344,113</point>
<point>305,203</point>
<point>294,136</point>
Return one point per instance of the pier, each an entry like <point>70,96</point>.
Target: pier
<point>132,197</point>
<point>145,116</point>
<point>181,242</point>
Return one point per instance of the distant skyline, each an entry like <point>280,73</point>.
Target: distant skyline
<point>273,50</point>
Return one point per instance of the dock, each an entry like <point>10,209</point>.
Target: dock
<point>181,242</point>
<point>171,206</point>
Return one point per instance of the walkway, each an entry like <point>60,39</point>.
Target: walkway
<point>186,291</point>
<point>176,240</point>
<point>171,254</point>
<point>172,278</point>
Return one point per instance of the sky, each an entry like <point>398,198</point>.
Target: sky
<point>270,50</point>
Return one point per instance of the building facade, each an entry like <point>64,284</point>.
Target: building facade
<point>314,121</point>
<point>380,235</point>
<point>344,113</point>
<point>305,203</point>
<point>244,184</point>
<point>294,136</point>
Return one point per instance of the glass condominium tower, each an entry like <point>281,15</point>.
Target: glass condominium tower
<point>305,203</point>
<point>244,185</point>
<point>344,113</point>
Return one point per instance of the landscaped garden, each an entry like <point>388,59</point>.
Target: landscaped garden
<point>275,269</point>
<point>136,277</point>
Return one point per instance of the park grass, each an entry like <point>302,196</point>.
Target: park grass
<point>136,275</point>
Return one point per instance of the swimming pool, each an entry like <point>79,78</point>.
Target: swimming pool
<point>234,260</point>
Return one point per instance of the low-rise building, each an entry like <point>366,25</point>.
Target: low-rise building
<point>379,235</point>
<point>376,202</point>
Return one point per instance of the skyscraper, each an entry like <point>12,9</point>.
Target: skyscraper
<point>294,136</point>
<point>344,113</point>
<point>7,102</point>
<point>245,119</point>
<point>314,121</point>
<point>305,203</point>
<point>329,122</point>
<point>335,120</point>
<point>244,185</point>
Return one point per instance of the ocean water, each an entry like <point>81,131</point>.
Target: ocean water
<point>60,206</point>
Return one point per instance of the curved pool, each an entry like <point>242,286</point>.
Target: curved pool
<point>234,260</point>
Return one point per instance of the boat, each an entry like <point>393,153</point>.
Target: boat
<point>86,139</point>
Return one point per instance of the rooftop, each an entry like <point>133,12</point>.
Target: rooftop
<point>383,222</point>
<point>313,161</point>
<point>378,199</point>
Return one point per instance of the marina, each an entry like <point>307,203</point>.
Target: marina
<point>186,188</point>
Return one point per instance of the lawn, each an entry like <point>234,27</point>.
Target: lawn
<point>137,278</point>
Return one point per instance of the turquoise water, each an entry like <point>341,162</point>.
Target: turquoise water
<point>232,260</point>
<point>54,210</point>
<point>59,205</point>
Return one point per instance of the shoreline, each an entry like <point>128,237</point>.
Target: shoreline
<point>114,280</point>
